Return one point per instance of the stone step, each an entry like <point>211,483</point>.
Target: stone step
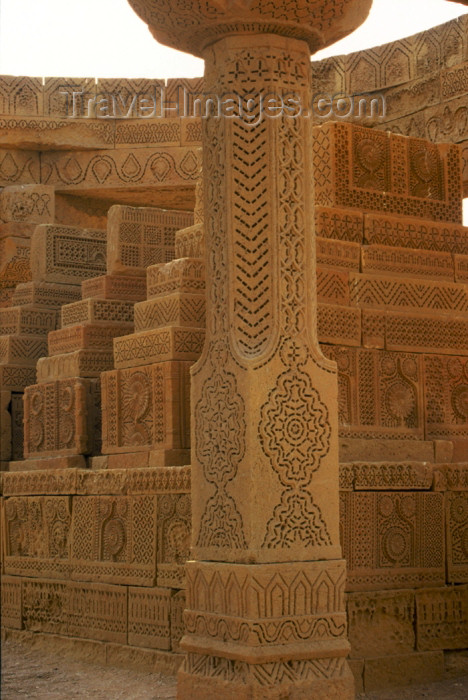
<point>114,287</point>
<point>179,309</point>
<point>45,294</point>
<point>97,310</point>
<point>28,320</point>
<point>22,349</point>
<point>162,344</point>
<point>180,275</point>
<point>80,363</point>
<point>91,336</point>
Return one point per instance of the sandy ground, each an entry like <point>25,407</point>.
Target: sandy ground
<point>31,673</point>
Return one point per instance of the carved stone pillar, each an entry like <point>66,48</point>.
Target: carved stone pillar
<point>265,611</point>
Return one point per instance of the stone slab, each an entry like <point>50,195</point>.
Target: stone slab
<point>96,336</point>
<point>176,309</point>
<point>96,311</point>
<point>442,618</point>
<point>114,287</point>
<point>183,275</point>
<point>162,344</point>
<point>44,294</point>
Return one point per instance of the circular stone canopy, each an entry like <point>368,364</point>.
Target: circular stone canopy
<point>192,25</point>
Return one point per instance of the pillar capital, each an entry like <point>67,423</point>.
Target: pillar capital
<point>193,25</point>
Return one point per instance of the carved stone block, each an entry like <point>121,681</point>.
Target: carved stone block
<point>190,242</point>
<point>27,320</point>
<point>97,611</point>
<point>332,286</point>
<point>14,260</point>
<point>159,345</point>
<point>147,408</point>
<point>388,292</point>
<point>97,310</point>
<point>67,254</point>
<point>114,539</point>
<point>338,324</point>
<point>442,618</point>
<point>22,349</point>
<point>386,476</point>
<point>393,539</point>
<point>45,606</point>
<point>456,514</point>
<point>407,262</point>
<point>380,623</point>
<point>461,268</point>
<point>177,309</point>
<point>11,602</point>
<point>149,617</point>
<point>446,396</point>
<point>114,287</point>
<point>373,170</point>
<point>60,417</point>
<point>185,275</point>
<point>31,203</point>
<point>90,336</point>
<point>5,425</point>
<point>451,477</point>
<point>87,364</point>
<point>17,420</point>
<point>16,377</point>
<point>338,254</point>
<point>173,539</point>
<point>37,533</point>
<point>342,224</point>
<point>44,294</point>
<point>380,394</point>
<point>139,237</point>
<point>396,231</point>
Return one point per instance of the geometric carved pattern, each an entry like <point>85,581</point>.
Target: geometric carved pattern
<point>393,539</point>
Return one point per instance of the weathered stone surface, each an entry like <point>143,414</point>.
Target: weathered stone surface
<point>97,310</point>
<point>185,275</point>
<point>30,203</point>
<point>114,287</point>
<point>28,320</point>
<point>90,336</point>
<point>22,350</point>
<point>139,237</point>
<point>113,539</point>
<point>149,617</point>
<point>456,514</point>
<point>442,618</point>
<point>44,294</point>
<point>177,309</point>
<point>380,623</point>
<point>80,363</point>
<point>11,602</point>
<point>67,254</point>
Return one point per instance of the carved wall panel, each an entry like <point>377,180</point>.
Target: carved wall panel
<point>114,539</point>
<point>37,536</point>
<point>393,539</point>
<point>149,617</point>
<point>31,203</point>
<point>173,539</point>
<point>456,513</point>
<point>442,618</point>
<point>446,396</point>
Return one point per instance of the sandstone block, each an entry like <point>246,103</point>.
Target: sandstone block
<point>378,476</point>
<point>97,611</point>
<point>60,417</point>
<point>37,536</point>
<point>45,606</point>
<point>414,233</point>
<point>139,237</point>
<point>22,349</point>
<point>149,617</point>
<point>380,543</point>
<point>147,408</point>
<point>29,203</point>
<point>332,286</point>
<point>5,425</point>
<point>67,254</point>
<point>451,477</point>
<point>401,189</point>
<point>88,364</point>
<point>11,602</point>
<point>408,262</point>
<point>14,260</point>
<point>456,515</point>
<point>177,619</point>
<point>89,336</point>
<point>446,396</point>
<point>190,242</point>
<point>442,618</point>
<point>16,377</point>
<point>114,287</point>
<point>174,524</point>
<point>342,224</point>
<point>461,268</point>
<point>114,539</point>
<point>27,320</point>
<point>184,275</point>
<point>16,229</point>
<point>96,311</point>
<point>380,623</point>
<point>338,324</point>
<point>158,345</point>
<point>44,294</point>
<point>177,309</point>
<point>342,254</point>
<point>378,450</point>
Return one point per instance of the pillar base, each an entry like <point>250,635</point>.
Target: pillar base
<point>279,681</point>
